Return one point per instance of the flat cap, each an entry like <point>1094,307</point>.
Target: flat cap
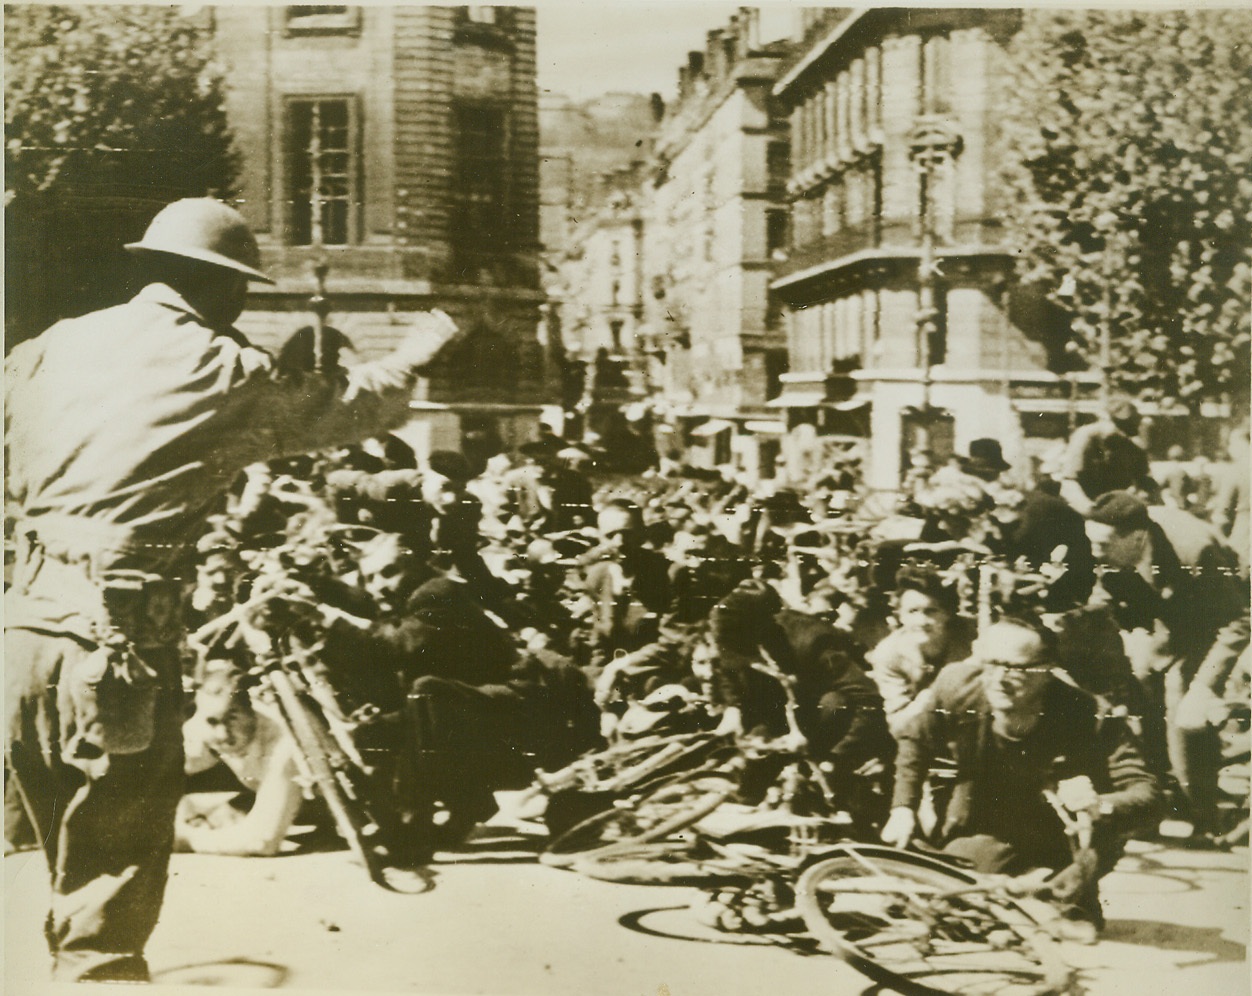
<point>1119,509</point>
<point>450,464</point>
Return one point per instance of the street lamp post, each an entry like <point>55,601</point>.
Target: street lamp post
<point>932,147</point>
<point>1106,223</point>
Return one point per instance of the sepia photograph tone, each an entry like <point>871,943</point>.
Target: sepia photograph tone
<point>629,498</point>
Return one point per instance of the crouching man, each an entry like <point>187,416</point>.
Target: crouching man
<point>1016,732</point>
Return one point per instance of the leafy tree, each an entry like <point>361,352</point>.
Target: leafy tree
<point>110,112</point>
<point>1131,158</point>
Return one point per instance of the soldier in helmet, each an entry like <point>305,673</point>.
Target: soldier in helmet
<point>123,430</point>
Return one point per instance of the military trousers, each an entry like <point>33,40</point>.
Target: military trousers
<point>105,820</point>
<point>107,826</point>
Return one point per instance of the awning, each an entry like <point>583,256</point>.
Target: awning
<point>851,405</point>
<point>798,399</point>
<point>763,426</point>
<point>712,427</point>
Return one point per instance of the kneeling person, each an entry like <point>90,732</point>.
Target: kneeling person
<point>1015,732</point>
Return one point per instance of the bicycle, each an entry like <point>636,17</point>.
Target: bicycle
<point>688,828</point>
<point>329,763</point>
<point>922,925</point>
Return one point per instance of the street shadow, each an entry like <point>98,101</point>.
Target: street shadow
<point>491,845</point>
<point>232,972</point>
<point>313,840</point>
<point>1163,877</point>
<point>677,923</point>
<point>1207,943</point>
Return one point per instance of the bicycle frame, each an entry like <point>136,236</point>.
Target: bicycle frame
<point>329,763</point>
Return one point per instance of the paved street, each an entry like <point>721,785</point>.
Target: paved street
<point>498,923</point>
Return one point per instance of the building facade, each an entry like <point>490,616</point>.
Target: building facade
<point>398,147</point>
<point>714,215</point>
<point>601,271</point>
<point>904,325</point>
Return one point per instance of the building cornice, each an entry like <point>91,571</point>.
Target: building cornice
<point>882,254</point>
<point>370,287</point>
<point>693,115</point>
<point>818,51</point>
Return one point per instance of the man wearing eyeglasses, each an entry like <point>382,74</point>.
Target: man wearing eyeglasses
<point>1017,733</point>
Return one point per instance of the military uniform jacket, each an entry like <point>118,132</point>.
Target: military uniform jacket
<point>140,416</point>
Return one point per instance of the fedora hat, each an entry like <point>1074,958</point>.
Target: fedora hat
<point>986,457</point>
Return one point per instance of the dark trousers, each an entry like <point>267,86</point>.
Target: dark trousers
<point>1076,883</point>
<point>470,740</point>
<point>106,825</point>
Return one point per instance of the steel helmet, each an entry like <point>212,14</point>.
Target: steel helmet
<point>204,229</point>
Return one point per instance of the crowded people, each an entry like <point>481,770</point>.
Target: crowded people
<point>1174,589</point>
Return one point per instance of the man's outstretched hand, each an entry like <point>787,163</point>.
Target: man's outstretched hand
<point>429,333</point>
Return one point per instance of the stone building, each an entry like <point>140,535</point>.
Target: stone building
<point>603,271</point>
<point>399,147</point>
<point>904,325</point>
<point>713,216</point>
<point>591,155</point>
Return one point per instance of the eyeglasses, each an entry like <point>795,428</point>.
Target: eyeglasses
<point>1003,669</point>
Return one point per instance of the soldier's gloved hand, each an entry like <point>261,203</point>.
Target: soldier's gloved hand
<point>427,336</point>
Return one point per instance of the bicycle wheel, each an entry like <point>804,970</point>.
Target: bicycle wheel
<point>665,810</point>
<point>922,927</point>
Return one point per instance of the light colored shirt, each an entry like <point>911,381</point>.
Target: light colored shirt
<point>903,673</point>
<point>267,766</point>
<point>141,415</point>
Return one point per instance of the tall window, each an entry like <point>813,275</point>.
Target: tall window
<point>777,166</point>
<point>775,231</point>
<point>321,171</point>
<point>935,76</point>
<point>481,185</point>
<point>873,88</point>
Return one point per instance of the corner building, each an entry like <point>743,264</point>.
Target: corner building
<point>399,147</point>
<point>905,327</point>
